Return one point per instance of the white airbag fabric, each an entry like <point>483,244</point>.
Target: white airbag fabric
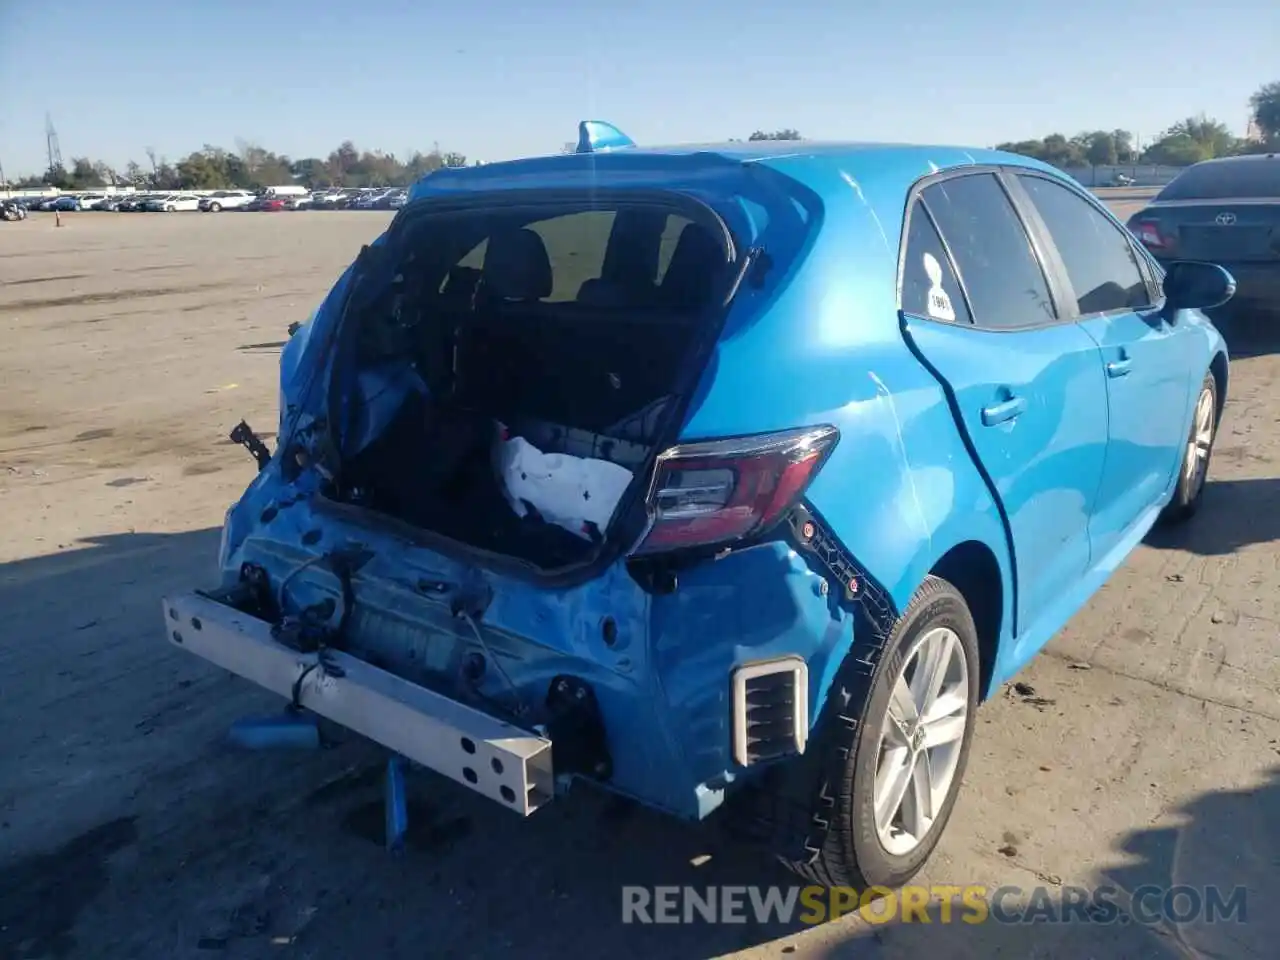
<point>565,490</point>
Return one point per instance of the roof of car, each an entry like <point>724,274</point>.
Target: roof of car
<point>907,161</point>
<point>878,175</point>
<point>1274,157</point>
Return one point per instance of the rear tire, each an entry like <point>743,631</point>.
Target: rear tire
<point>1193,466</point>
<point>215,207</point>
<point>873,839</point>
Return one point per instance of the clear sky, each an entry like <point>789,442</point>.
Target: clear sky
<point>499,78</point>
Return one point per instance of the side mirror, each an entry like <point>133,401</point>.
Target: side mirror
<point>1195,285</point>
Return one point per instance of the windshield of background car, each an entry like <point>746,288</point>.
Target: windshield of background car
<point>1233,180</point>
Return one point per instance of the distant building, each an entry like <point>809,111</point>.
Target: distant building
<point>1253,133</point>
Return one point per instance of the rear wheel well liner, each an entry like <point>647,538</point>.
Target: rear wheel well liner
<point>1219,367</point>
<point>971,567</point>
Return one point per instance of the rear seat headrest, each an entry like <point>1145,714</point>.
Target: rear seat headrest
<point>695,262</point>
<point>516,266</point>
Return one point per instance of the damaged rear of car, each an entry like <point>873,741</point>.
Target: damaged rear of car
<point>725,477</point>
<point>482,488</point>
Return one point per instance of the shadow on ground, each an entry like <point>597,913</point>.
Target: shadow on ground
<point>1219,845</point>
<point>1248,334</point>
<point>210,850</point>
<point>216,852</point>
<point>1234,514</point>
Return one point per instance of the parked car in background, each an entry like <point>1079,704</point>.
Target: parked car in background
<point>88,201</point>
<point>372,199</point>
<point>398,199</point>
<point>289,190</point>
<point>346,199</point>
<point>225,200</point>
<point>64,204</point>
<point>274,204</point>
<point>1225,211</point>
<point>12,210</point>
<point>324,199</point>
<point>173,202</point>
<point>133,203</point>
<point>717,479</point>
<point>1122,180</point>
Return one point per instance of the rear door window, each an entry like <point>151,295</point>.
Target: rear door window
<point>1006,285</point>
<point>929,285</point>
<point>1098,256</point>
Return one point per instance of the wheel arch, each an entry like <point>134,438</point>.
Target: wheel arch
<point>1221,370</point>
<point>973,569</point>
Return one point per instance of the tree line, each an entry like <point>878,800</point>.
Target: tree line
<point>250,166</point>
<point>1186,142</point>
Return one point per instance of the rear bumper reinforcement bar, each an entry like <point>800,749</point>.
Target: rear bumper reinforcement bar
<point>504,763</point>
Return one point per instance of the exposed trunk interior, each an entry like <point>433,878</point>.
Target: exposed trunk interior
<point>559,330</point>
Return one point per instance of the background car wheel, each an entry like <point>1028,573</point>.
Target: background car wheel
<point>215,207</point>
<point>1193,469</point>
<point>893,793</point>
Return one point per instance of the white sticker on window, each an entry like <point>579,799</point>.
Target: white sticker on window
<point>939,303</point>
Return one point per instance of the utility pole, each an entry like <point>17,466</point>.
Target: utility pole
<point>51,144</point>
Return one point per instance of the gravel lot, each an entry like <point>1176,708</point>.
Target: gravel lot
<point>1145,747</point>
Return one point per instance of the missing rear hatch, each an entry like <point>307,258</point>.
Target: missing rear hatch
<point>508,387</point>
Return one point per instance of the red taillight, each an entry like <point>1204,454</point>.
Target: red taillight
<point>1148,231</point>
<point>721,491</point>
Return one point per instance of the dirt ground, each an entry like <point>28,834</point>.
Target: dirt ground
<point>1144,746</point>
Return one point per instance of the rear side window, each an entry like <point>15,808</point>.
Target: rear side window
<point>1007,289</point>
<point>1098,256</point>
<point>1251,179</point>
<point>929,285</point>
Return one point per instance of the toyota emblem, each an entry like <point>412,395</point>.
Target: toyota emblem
<point>1225,219</point>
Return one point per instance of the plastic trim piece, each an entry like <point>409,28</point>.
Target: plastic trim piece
<point>743,675</point>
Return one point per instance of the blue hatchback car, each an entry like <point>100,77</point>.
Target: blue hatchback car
<point>727,476</point>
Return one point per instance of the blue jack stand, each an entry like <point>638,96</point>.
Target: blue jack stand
<point>290,730</point>
<point>397,807</point>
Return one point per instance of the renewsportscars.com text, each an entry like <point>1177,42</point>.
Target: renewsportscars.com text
<point>972,904</point>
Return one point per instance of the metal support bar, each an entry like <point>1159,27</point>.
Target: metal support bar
<point>503,762</point>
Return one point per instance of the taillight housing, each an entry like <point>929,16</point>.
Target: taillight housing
<point>1148,231</point>
<point>719,492</point>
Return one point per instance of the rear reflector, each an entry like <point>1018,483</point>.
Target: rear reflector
<point>722,491</point>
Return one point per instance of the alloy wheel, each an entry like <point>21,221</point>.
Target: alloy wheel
<point>1196,461</point>
<point>921,739</point>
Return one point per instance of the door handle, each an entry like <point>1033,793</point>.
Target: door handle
<point>1119,368</point>
<point>1003,411</point>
